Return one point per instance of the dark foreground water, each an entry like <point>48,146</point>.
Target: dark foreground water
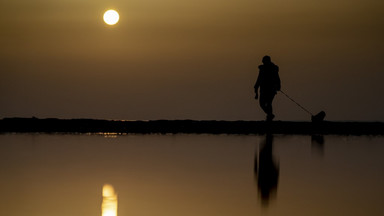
<point>174,175</point>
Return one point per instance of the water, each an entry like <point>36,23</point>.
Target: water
<point>173,175</point>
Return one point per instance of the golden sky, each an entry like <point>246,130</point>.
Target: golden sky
<point>189,59</point>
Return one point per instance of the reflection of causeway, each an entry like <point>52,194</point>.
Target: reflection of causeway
<point>266,171</point>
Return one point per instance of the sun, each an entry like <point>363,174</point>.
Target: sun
<point>111,17</point>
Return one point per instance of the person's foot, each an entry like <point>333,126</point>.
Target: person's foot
<point>270,117</point>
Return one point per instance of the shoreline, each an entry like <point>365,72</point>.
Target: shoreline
<point>53,125</point>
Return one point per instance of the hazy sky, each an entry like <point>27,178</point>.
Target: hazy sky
<point>190,59</point>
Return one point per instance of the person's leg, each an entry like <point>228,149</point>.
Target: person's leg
<point>263,103</point>
<point>266,104</point>
<point>269,104</point>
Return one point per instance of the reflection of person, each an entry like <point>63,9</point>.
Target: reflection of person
<point>267,171</point>
<point>269,83</point>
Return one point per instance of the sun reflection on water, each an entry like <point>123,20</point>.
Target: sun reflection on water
<point>109,205</point>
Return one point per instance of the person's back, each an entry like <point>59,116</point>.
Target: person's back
<point>268,79</point>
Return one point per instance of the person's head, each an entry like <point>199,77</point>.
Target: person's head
<point>266,60</point>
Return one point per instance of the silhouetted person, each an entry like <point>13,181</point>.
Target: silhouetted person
<point>269,83</point>
<point>267,171</point>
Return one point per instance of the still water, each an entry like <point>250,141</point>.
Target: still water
<point>174,175</point>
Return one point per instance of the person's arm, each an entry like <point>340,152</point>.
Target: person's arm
<point>257,85</point>
<point>278,82</point>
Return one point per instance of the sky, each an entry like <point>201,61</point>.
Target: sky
<point>190,59</point>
